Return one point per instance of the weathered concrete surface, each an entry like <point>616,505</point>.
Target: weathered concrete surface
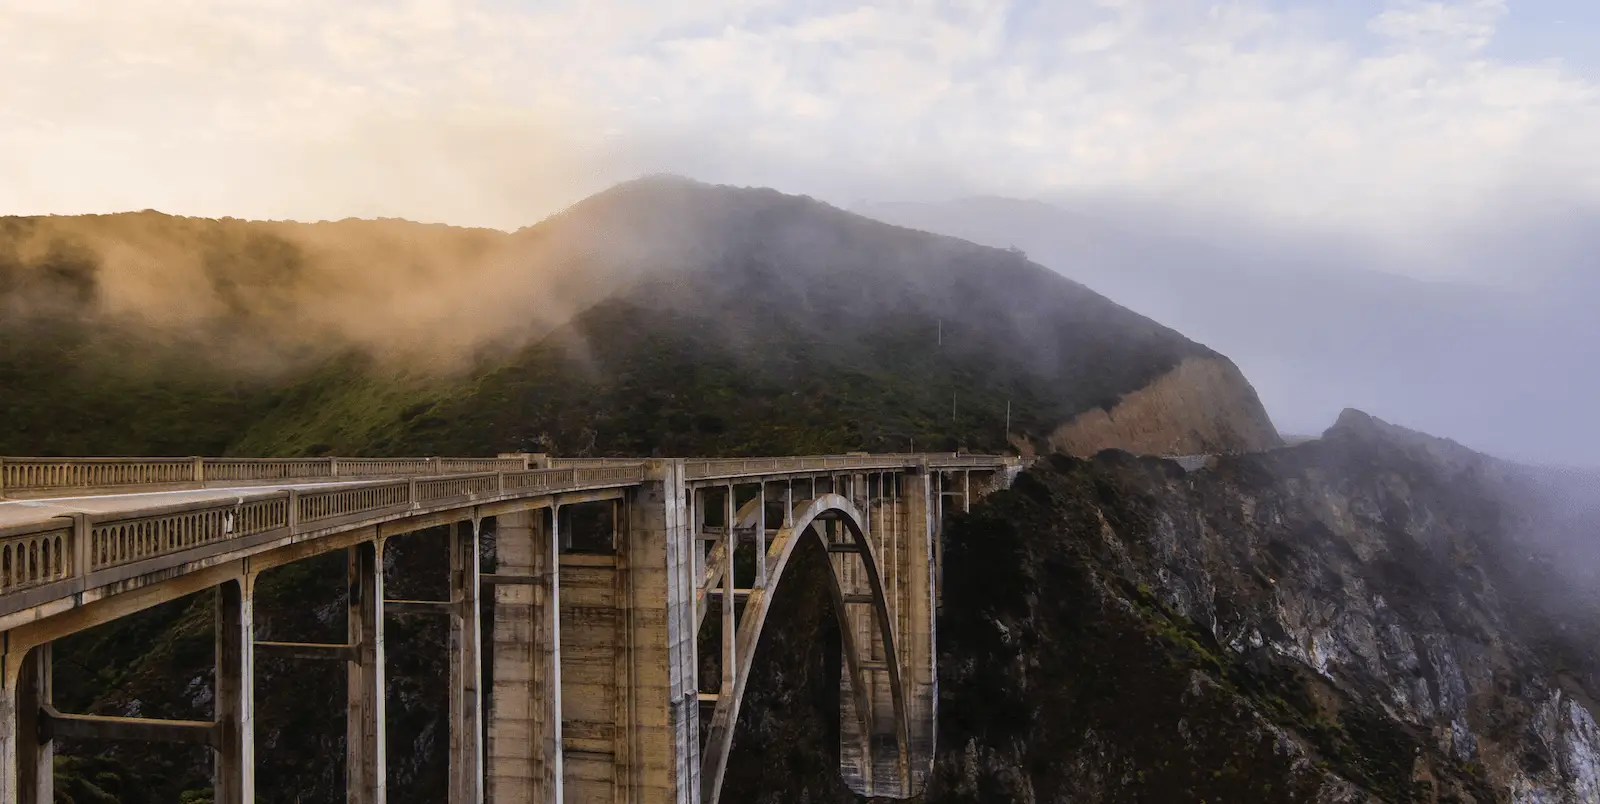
<point>524,761</point>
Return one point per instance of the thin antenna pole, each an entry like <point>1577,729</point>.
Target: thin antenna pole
<point>941,332</point>
<point>1008,419</point>
<point>952,406</point>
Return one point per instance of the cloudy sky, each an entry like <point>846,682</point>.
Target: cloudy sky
<point>1446,140</point>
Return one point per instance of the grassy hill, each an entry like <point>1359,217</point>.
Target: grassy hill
<point>660,317</point>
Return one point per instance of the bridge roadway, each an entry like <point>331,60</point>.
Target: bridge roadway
<point>615,579</point>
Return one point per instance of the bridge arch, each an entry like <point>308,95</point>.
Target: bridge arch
<point>803,522</point>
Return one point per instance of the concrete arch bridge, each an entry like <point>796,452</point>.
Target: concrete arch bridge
<point>611,580</point>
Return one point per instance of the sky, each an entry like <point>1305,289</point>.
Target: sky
<point>1445,141</point>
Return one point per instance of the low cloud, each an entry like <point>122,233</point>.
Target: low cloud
<point>486,113</point>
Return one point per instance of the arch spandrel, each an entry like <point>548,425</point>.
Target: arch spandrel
<point>800,527</point>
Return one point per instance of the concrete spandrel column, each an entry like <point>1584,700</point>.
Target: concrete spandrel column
<point>524,756</point>
<point>730,625</point>
<point>234,756</point>
<point>920,499</point>
<point>8,727</point>
<point>466,668</point>
<point>659,549</point>
<point>365,761</point>
<point>35,779</point>
<point>761,539</point>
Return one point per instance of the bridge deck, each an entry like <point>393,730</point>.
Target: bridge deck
<point>28,512</point>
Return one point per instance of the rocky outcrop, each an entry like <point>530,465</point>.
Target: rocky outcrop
<point>1204,405</point>
<point>1373,616</point>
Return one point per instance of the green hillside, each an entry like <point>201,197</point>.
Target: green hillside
<point>694,319</point>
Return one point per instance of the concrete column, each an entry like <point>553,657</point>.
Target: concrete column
<point>696,520</point>
<point>10,667</point>
<point>730,625</point>
<point>761,540</point>
<point>365,761</point>
<point>35,779</point>
<point>664,723</point>
<point>466,668</point>
<point>556,771</point>
<point>235,752</point>
<point>524,765</point>
<point>940,482</point>
<point>920,498</point>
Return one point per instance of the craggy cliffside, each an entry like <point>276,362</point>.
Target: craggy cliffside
<point>1204,405</point>
<point>1374,616</point>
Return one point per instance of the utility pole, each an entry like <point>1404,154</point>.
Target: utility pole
<point>1008,418</point>
<point>952,406</point>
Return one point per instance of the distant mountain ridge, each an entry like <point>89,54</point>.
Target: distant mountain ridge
<point>1317,323</point>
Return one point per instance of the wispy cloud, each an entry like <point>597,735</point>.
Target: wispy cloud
<point>494,112</point>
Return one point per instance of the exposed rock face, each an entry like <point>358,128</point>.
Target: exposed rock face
<point>1204,405</point>
<point>1374,616</point>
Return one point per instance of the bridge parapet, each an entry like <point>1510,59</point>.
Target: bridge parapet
<point>719,468</point>
<point>40,477</point>
<point>60,556</point>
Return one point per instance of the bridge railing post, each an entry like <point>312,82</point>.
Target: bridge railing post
<point>81,554</point>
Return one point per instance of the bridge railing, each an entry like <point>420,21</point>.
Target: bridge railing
<point>705,468</point>
<point>93,549</point>
<point>33,477</point>
<point>36,476</point>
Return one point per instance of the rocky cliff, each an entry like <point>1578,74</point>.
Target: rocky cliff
<point>1204,405</point>
<point>1373,616</point>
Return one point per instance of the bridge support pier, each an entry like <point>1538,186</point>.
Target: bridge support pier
<point>235,757</point>
<point>466,667</point>
<point>26,775</point>
<point>366,766</point>
<point>524,741</point>
<point>918,566</point>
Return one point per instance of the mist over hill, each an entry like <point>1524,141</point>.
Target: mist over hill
<point>1319,324</point>
<point>661,316</point>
